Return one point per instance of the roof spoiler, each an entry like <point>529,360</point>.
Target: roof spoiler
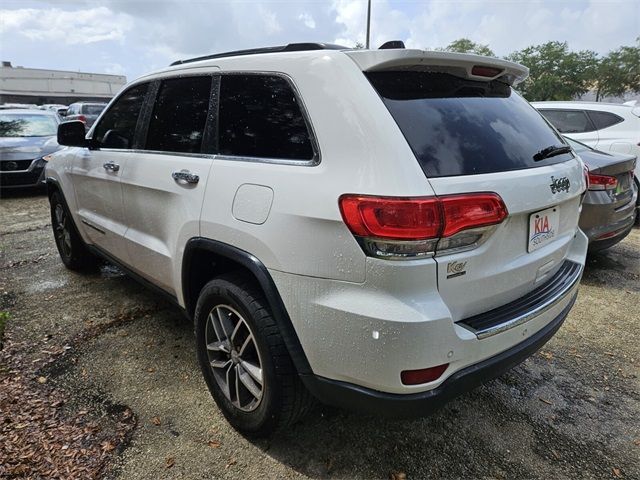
<point>473,67</point>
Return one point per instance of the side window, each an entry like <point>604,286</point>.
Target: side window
<point>569,121</point>
<point>118,126</point>
<point>259,116</point>
<point>604,119</point>
<point>179,115</point>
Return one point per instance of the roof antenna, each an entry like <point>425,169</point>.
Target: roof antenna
<point>368,23</point>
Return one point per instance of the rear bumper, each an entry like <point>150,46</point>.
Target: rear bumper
<point>366,334</point>
<point>604,221</point>
<point>361,399</point>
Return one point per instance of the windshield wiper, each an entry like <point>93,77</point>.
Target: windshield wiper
<point>551,151</point>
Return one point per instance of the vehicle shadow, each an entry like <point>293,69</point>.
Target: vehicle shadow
<point>332,443</point>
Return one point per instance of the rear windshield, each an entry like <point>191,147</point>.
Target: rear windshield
<point>95,109</point>
<point>463,127</point>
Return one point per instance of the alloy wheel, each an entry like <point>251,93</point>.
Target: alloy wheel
<point>234,357</point>
<point>62,233</point>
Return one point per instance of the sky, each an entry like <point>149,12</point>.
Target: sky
<point>132,37</point>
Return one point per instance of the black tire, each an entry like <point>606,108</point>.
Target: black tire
<point>284,399</point>
<point>73,252</point>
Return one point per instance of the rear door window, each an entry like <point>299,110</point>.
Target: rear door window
<point>121,119</point>
<point>179,115</point>
<point>604,119</point>
<point>260,117</point>
<point>462,127</point>
<point>569,121</point>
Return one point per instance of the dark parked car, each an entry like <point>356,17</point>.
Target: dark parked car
<point>86,112</point>
<point>609,208</point>
<point>27,137</point>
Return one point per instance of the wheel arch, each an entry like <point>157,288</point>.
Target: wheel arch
<point>205,259</point>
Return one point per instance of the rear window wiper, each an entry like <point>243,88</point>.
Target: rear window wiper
<point>551,151</point>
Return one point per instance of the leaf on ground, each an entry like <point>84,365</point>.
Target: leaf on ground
<point>616,472</point>
<point>156,421</point>
<point>233,461</point>
<point>400,475</point>
<point>547,355</point>
<point>108,446</point>
<point>42,379</point>
<point>169,462</point>
<point>151,369</point>
<point>214,444</point>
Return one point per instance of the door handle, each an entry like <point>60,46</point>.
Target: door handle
<point>185,176</point>
<point>111,167</point>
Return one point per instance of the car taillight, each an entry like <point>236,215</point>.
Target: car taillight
<point>394,227</point>
<point>392,218</point>
<point>82,118</point>
<point>462,212</point>
<point>602,182</point>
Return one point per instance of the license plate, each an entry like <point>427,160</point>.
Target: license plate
<point>543,228</point>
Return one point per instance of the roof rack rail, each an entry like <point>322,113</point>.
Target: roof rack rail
<point>292,47</point>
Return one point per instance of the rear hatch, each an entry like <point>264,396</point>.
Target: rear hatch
<point>470,132</point>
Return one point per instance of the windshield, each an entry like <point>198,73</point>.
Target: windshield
<point>457,126</point>
<point>27,125</point>
<point>93,109</point>
<point>577,146</point>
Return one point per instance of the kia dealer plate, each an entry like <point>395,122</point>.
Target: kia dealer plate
<point>543,228</point>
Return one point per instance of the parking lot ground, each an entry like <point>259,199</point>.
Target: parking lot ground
<point>112,359</point>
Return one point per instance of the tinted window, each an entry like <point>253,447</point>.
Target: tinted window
<point>179,115</point>
<point>27,125</point>
<point>94,109</point>
<point>260,117</point>
<point>604,119</point>
<point>461,127</point>
<point>121,119</point>
<point>569,121</point>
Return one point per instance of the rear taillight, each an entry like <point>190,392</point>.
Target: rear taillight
<point>602,182</point>
<point>395,227</point>
<point>82,118</point>
<point>462,212</point>
<point>392,218</point>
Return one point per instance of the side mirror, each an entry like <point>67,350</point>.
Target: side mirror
<point>72,134</point>
<point>113,139</point>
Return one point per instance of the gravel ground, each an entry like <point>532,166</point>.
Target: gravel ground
<point>109,346</point>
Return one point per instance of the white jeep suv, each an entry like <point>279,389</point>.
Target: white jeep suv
<point>382,230</point>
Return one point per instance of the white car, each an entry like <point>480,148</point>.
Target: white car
<point>609,127</point>
<point>382,230</point>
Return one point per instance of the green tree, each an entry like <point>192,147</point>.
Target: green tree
<point>464,45</point>
<point>619,72</point>
<point>555,73</point>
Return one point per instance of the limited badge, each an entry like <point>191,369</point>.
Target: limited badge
<point>456,269</point>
